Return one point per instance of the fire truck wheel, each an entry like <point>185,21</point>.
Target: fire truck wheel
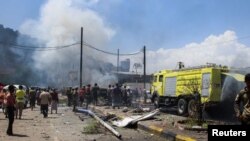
<point>182,106</point>
<point>192,110</point>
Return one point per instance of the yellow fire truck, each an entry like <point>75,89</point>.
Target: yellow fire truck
<point>179,87</point>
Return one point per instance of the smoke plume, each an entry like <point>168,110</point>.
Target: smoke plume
<point>59,24</point>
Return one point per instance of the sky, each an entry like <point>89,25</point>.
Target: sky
<point>194,32</point>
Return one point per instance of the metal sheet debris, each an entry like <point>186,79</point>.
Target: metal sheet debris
<point>134,119</point>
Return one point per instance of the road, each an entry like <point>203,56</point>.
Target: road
<point>64,126</point>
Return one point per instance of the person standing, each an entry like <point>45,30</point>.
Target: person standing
<point>75,98</point>
<point>2,98</point>
<point>38,92</point>
<point>95,93</point>
<point>54,100</point>
<point>88,95</point>
<point>20,99</point>
<point>69,95</point>
<point>5,103</point>
<point>82,92</point>
<point>32,96</point>
<point>145,96</point>
<point>109,97</point>
<point>116,97</point>
<point>125,96</point>
<point>45,99</point>
<point>10,106</point>
<point>243,97</point>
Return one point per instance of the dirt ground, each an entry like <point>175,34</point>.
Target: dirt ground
<point>33,127</point>
<point>64,126</point>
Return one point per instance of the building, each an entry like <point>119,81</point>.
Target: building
<point>125,65</point>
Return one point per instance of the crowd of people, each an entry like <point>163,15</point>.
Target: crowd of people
<point>115,95</point>
<point>12,100</point>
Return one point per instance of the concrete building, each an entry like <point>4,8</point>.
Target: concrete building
<point>125,65</point>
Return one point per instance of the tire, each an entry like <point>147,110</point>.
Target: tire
<point>192,108</point>
<point>182,106</point>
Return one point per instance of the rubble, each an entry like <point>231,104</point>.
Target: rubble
<point>134,119</point>
<point>117,134</point>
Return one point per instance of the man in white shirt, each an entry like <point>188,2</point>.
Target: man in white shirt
<point>45,99</point>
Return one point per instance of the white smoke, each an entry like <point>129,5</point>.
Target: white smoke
<point>59,24</point>
<point>222,49</point>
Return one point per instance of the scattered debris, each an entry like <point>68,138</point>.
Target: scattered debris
<point>137,110</point>
<point>134,119</point>
<point>125,109</point>
<point>109,117</point>
<point>117,134</point>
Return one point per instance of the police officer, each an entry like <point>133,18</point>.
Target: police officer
<point>243,97</point>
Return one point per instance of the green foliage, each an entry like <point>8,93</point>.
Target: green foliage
<point>93,127</point>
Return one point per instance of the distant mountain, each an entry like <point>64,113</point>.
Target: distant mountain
<point>15,64</point>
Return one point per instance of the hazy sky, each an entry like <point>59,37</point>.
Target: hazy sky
<point>194,31</point>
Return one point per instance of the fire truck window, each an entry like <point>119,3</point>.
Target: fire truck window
<point>161,78</point>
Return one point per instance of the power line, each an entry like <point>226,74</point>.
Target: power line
<point>41,47</point>
<point>32,49</point>
<point>49,48</point>
<point>111,53</point>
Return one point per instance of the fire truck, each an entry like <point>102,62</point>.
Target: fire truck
<point>180,87</point>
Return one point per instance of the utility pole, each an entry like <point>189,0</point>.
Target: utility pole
<point>118,64</point>
<point>117,61</point>
<point>144,66</point>
<point>81,57</point>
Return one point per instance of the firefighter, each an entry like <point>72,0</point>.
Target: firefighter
<point>243,97</point>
